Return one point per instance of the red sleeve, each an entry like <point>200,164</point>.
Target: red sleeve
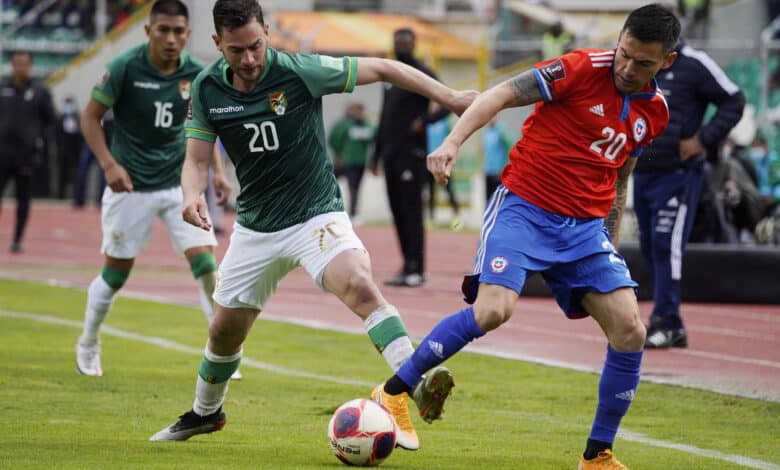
<point>557,77</point>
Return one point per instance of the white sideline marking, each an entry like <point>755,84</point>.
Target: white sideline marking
<point>713,454</point>
<point>168,344</point>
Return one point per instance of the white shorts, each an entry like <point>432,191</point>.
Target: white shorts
<point>256,262</point>
<point>128,218</point>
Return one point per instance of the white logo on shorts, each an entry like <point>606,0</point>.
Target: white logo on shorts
<point>498,264</point>
<point>117,238</point>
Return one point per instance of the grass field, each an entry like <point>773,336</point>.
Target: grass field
<point>503,414</point>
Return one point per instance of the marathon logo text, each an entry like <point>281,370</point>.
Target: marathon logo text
<point>226,109</point>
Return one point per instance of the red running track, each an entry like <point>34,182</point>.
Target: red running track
<point>733,349</point>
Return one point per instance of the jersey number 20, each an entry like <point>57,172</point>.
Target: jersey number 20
<point>613,141</point>
<point>264,136</point>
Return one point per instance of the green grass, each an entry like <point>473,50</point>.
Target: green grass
<point>503,414</point>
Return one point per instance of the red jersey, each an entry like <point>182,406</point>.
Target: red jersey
<point>575,141</point>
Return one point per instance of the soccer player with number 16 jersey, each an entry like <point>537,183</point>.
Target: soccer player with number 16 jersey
<point>558,209</point>
<point>148,87</point>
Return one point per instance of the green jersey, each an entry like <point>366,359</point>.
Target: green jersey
<point>351,139</point>
<point>149,113</point>
<point>274,135</point>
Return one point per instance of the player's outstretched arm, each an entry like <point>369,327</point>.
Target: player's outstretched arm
<point>518,91</point>
<point>116,176</point>
<point>194,179</point>
<point>374,69</point>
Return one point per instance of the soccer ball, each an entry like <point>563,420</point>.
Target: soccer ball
<point>361,432</point>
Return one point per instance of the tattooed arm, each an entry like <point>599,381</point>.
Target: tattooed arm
<point>518,91</point>
<point>615,215</point>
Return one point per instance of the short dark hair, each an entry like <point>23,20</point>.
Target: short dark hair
<point>404,32</point>
<point>233,14</point>
<point>17,52</point>
<point>170,8</point>
<point>654,23</point>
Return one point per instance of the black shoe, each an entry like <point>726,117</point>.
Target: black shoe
<point>16,247</point>
<point>661,338</point>
<point>407,280</point>
<point>190,424</point>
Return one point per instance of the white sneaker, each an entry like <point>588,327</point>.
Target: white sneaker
<point>88,358</point>
<point>237,375</point>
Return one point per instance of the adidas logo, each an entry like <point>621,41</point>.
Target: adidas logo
<point>673,202</point>
<point>628,395</point>
<point>598,110</point>
<point>437,349</point>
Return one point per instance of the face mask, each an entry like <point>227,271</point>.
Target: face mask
<point>405,57</point>
<point>757,153</point>
<point>67,108</point>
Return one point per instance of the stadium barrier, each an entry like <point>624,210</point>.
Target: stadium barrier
<point>711,273</point>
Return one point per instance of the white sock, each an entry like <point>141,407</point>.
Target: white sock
<point>209,397</point>
<point>399,349</point>
<point>206,285</point>
<point>100,296</point>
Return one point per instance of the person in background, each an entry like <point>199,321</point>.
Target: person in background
<point>401,146</point>
<point>556,41</point>
<point>435,134</point>
<point>668,179</point>
<point>69,144</point>
<point>26,116</point>
<point>496,145</point>
<point>767,164</point>
<point>350,139</point>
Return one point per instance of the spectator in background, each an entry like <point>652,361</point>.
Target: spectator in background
<point>26,115</point>
<point>737,192</point>
<point>496,144</point>
<point>767,165</point>
<point>668,179</point>
<point>401,146</point>
<point>695,18</point>
<point>556,41</point>
<point>349,140</point>
<point>435,134</point>
<point>69,145</point>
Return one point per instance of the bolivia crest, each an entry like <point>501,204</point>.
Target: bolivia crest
<point>278,102</point>
<point>184,89</point>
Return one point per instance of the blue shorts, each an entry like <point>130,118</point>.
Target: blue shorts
<point>575,256</point>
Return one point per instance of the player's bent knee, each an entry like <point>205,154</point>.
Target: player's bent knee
<point>629,338</point>
<point>491,315</point>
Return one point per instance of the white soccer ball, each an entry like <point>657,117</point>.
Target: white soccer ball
<point>361,432</point>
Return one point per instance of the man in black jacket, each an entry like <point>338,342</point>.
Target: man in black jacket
<point>26,113</point>
<point>668,179</point>
<point>401,145</point>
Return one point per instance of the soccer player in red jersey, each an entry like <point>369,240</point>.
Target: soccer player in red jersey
<point>559,207</point>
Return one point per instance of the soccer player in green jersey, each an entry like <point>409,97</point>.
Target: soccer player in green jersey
<point>148,87</point>
<point>266,108</point>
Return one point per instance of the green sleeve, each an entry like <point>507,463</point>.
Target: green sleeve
<point>107,90</point>
<point>324,75</point>
<point>197,126</point>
